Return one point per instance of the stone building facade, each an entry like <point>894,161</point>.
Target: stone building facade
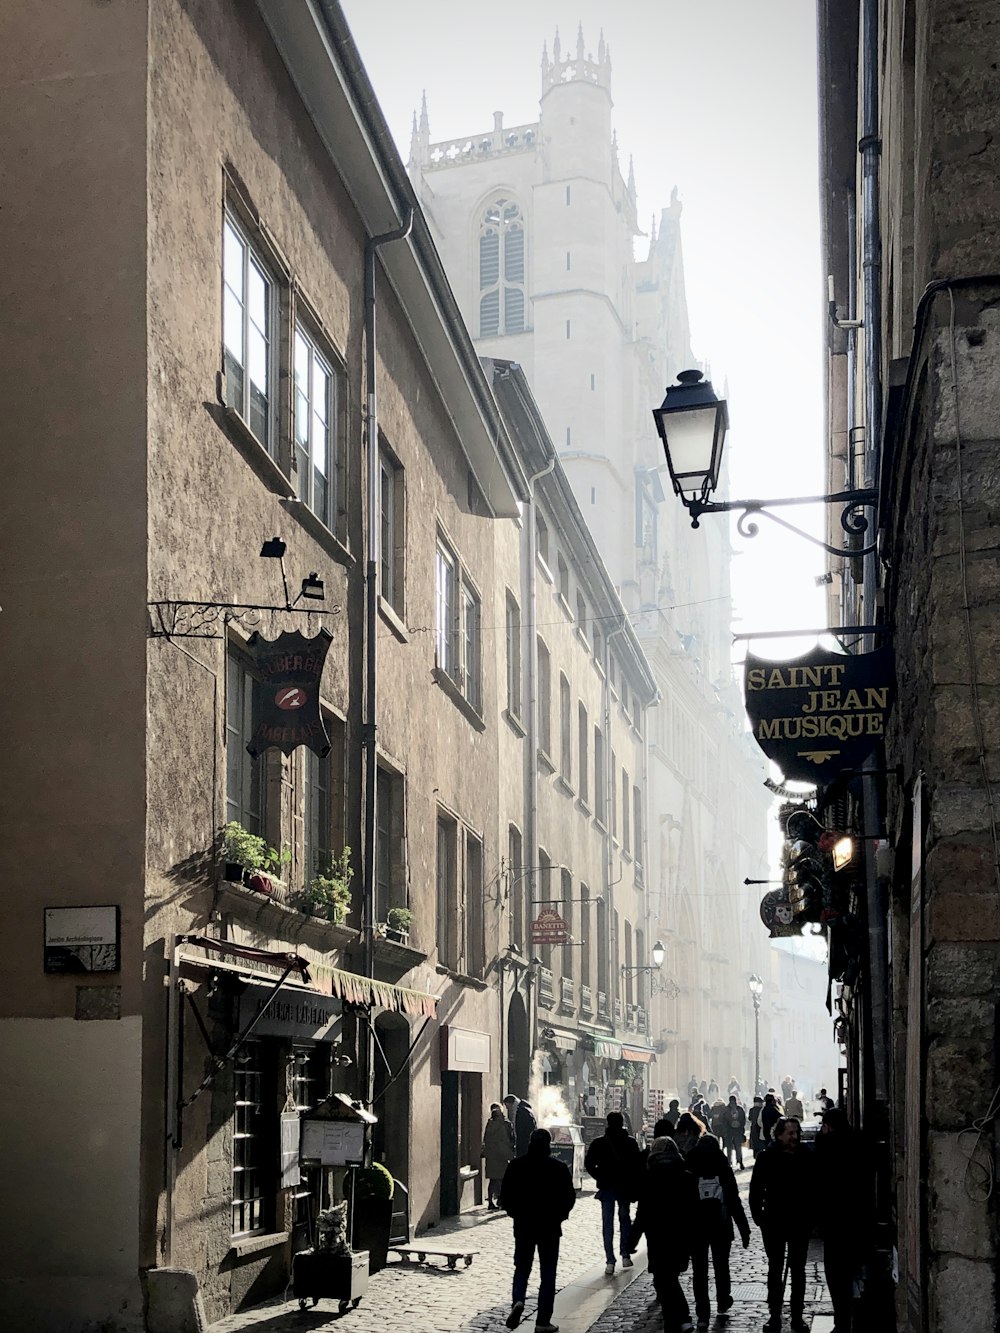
<point>537,225</point>
<point>911,224</point>
<point>228,168</point>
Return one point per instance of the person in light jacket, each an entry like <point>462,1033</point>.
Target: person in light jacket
<point>498,1149</point>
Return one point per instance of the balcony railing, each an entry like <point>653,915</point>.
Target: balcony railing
<point>602,1003</point>
<point>567,998</point>
<point>586,1000</point>
<point>618,1012</point>
<point>546,995</point>
<point>641,1019</point>
<point>631,1011</point>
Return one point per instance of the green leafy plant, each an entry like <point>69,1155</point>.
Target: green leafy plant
<point>399,919</point>
<point>250,851</point>
<point>329,894</point>
<point>373,1182</point>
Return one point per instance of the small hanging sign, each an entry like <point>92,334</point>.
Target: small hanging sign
<point>290,669</point>
<point>82,939</point>
<point>820,714</point>
<point>549,928</point>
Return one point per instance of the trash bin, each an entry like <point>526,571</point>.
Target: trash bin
<point>568,1147</point>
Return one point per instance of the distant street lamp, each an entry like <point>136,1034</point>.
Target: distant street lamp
<point>756,991</point>
<point>692,422</point>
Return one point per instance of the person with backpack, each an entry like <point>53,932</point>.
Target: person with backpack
<point>537,1192</point>
<point>718,1207</point>
<point>734,1121</point>
<point>613,1160</point>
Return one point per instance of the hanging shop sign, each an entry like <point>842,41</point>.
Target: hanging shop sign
<point>549,928</point>
<point>289,669</point>
<point>820,714</point>
<point>778,914</point>
<point>305,1015</point>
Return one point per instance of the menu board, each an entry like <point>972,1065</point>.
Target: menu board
<point>333,1142</point>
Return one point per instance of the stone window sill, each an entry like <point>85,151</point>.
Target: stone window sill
<point>449,687</point>
<point>254,452</point>
<point>392,619</point>
<point>243,1245</point>
<point>318,530</point>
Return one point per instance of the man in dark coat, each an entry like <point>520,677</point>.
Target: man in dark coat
<point>769,1117</point>
<point>538,1193</point>
<point>753,1123</point>
<point>613,1161</point>
<point>844,1194</point>
<point>673,1114</point>
<point>668,1196</point>
<point>734,1121</point>
<point>718,1207</point>
<point>522,1117</point>
<point>783,1204</point>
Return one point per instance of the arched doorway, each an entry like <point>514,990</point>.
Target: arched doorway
<point>518,1047</point>
<point>391,1136</point>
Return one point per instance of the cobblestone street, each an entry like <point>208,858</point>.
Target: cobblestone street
<point>430,1298</point>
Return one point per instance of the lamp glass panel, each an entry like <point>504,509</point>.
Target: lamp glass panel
<point>691,441</point>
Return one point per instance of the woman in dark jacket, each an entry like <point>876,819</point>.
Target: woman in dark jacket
<point>667,1197</point>
<point>783,1204</point>
<point>498,1149</point>
<point>718,1207</point>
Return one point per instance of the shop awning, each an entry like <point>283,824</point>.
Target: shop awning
<point>561,1039</point>
<point>639,1055</point>
<point>610,1050</point>
<point>380,994</point>
<point>345,985</point>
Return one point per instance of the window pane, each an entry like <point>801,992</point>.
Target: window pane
<point>233,251</point>
<point>258,290</point>
<point>489,259</point>
<point>513,255</point>
<point>489,315</point>
<point>513,310</point>
<point>232,324</point>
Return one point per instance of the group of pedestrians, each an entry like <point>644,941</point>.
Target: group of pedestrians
<point>688,1208</point>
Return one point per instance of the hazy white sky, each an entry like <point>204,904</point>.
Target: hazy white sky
<point>719,99</point>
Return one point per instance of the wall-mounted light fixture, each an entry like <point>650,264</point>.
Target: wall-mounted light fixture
<point>692,422</point>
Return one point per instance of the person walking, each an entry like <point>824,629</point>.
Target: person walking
<point>734,1122</point>
<point>522,1117</point>
<point>754,1126</point>
<point>538,1193</point>
<point>825,1103</point>
<point>713,1089</point>
<point>668,1196</point>
<point>793,1106</point>
<point>718,1207</point>
<point>782,1203</point>
<point>673,1114</point>
<point>498,1149</point>
<point>844,1195</point>
<point>613,1161</point>
<point>692,1088</point>
<point>734,1088</point>
<point>787,1087</point>
<point>769,1117</point>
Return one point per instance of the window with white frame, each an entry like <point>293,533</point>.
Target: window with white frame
<point>315,430</point>
<point>513,629</point>
<point>391,537</point>
<point>544,698</point>
<point>248,321</point>
<point>565,729</point>
<point>244,781</point>
<point>501,269</point>
<point>458,626</point>
<point>584,748</point>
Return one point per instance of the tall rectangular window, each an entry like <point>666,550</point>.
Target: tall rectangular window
<point>641,961</point>
<point>516,881</point>
<point>317,847</point>
<point>475,909</point>
<point>585,939</point>
<point>567,910</point>
<point>629,974</point>
<point>315,428</point>
<point>248,316</point>
<point>613,794</point>
<point>244,784</point>
<point>513,628</point>
<point>391,531</point>
<point>603,972</point>
<point>544,699</point>
<point>626,811</point>
<point>584,757</point>
<point>447,893</point>
<point>637,831</point>
<point>565,729</point>
<point>251,1178</point>
<point>390,843</point>
<point>563,573</point>
<point>543,896</point>
<point>471,630</point>
<point>600,778</point>
<point>446,621</point>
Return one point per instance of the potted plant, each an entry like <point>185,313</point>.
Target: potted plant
<point>329,894</point>
<point>249,860</point>
<point>371,1224</point>
<point>398,921</point>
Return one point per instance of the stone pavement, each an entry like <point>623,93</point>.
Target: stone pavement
<point>429,1298</point>
<point>636,1310</point>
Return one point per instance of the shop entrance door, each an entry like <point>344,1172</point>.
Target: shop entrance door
<point>518,1048</point>
<point>391,1136</point>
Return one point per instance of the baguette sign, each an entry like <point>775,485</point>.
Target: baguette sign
<point>820,714</point>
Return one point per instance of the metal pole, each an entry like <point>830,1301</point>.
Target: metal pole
<point>756,1044</point>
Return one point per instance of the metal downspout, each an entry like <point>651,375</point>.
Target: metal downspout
<point>369,743</point>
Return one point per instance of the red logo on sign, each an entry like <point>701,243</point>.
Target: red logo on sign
<point>290,697</point>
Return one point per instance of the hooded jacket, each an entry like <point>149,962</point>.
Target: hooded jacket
<point>668,1195</point>
<point>537,1192</point>
<point>707,1161</point>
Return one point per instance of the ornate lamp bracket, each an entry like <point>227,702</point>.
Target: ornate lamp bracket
<point>853,518</point>
<point>208,620</point>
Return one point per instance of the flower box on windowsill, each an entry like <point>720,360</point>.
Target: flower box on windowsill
<point>281,919</point>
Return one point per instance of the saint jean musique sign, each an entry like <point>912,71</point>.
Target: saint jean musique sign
<point>289,669</point>
<point>822,713</point>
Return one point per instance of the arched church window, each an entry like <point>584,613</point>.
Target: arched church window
<point>501,269</point>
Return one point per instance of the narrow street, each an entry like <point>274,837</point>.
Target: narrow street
<point>430,1298</point>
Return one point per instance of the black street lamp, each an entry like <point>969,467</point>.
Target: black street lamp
<point>659,953</point>
<point>692,422</point>
<point>756,991</point>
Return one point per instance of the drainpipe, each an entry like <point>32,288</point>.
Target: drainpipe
<point>617,989</point>
<point>368,734</point>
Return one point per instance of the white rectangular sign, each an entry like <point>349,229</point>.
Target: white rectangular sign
<point>333,1142</point>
